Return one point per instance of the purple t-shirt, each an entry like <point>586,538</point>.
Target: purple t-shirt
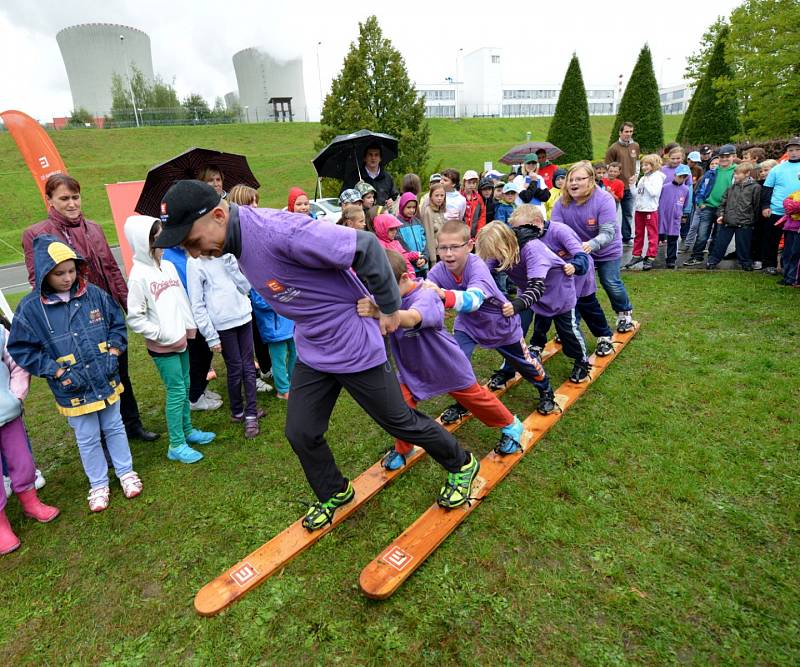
<point>301,267</point>
<point>487,326</point>
<point>538,261</point>
<point>670,208</point>
<point>429,361</point>
<point>565,243</point>
<point>585,220</point>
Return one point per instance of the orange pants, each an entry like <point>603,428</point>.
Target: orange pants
<point>481,402</point>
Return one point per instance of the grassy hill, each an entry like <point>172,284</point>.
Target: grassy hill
<point>279,154</point>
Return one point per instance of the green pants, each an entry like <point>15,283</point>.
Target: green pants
<point>174,371</point>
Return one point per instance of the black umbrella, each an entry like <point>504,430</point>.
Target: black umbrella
<point>234,169</point>
<point>344,154</point>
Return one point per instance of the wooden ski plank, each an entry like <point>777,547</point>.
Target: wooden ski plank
<point>275,554</point>
<point>395,564</point>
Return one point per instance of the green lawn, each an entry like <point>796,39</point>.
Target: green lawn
<point>657,523</point>
<point>279,154</point>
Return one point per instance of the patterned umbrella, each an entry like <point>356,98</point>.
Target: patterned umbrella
<point>517,154</point>
<point>234,170</point>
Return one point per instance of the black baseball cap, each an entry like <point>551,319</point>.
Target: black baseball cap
<point>705,148</point>
<point>185,202</point>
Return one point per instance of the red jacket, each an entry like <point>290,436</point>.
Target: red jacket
<point>475,217</point>
<point>547,174</point>
<point>87,239</point>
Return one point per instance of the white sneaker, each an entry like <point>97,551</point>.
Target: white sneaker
<point>39,482</point>
<point>98,498</point>
<point>265,376</point>
<point>205,403</point>
<point>131,484</point>
<point>757,266</point>
<point>7,484</point>
<point>262,386</point>
<point>213,395</point>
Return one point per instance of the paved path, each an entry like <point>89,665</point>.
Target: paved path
<point>14,277</point>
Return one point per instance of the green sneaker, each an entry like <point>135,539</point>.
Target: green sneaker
<point>456,489</point>
<point>320,514</point>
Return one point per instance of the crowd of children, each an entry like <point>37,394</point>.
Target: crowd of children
<point>505,254</point>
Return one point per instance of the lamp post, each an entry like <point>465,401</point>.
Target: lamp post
<point>247,112</point>
<point>128,75</point>
<point>319,78</point>
<point>661,72</point>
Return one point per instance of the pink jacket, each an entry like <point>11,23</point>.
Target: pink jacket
<point>383,223</point>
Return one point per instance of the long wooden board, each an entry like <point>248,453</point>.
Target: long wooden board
<point>275,554</point>
<point>395,564</point>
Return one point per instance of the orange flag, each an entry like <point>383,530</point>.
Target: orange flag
<point>123,198</point>
<point>37,149</point>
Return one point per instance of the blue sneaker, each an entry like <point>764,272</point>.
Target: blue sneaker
<point>510,438</point>
<point>198,437</point>
<point>184,454</point>
<point>393,460</point>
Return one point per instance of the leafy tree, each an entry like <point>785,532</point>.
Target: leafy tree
<point>373,91</point>
<point>80,117</point>
<point>196,107</point>
<point>697,63</point>
<point>641,105</point>
<point>764,74</point>
<point>157,100</point>
<point>570,128</point>
<point>715,116</point>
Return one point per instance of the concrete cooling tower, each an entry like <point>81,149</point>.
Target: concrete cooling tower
<point>262,78</point>
<point>93,52</point>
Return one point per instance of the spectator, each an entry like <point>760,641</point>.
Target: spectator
<point>737,214</point>
<point>626,151</point>
<point>372,172</point>
<point>781,182</point>
<point>546,168</point>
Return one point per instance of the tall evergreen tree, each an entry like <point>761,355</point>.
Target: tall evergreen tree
<point>570,129</point>
<point>641,105</point>
<point>681,136</point>
<point>373,91</point>
<point>715,116</point>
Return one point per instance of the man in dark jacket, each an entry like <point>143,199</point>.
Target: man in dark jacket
<point>372,172</point>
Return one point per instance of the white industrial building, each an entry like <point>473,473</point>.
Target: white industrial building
<point>93,53</point>
<point>482,92</point>
<point>675,99</point>
<point>269,89</point>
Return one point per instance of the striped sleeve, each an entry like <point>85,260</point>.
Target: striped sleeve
<point>466,301</point>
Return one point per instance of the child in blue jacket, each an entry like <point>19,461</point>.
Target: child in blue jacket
<point>278,333</point>
<point>71,333</point>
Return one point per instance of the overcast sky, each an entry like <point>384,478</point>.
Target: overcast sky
<point>193,43</point>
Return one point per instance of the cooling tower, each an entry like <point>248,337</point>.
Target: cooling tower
<point>93,52</point>
<point>261,77</point>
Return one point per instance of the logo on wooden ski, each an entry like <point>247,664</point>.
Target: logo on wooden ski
<point>396,557</point>
<point>244,574</point>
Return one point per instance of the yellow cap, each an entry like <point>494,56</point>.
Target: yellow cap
<point>60,252</point>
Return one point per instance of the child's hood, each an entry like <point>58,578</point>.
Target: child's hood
<point>404,199</point>
<point>48,251</point>
<point>137,231</point>
<point>294,193</point>
<point>383,223</point>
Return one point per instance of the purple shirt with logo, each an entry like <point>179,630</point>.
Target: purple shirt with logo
<point>538,261</point>
<point>585,220</point>
<point>670,208</point>
<point>301,267</point>
<point>429,361</point>
<point>565,243</point>
<point>487,326</point>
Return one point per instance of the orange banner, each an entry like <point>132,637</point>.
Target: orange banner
<point>123,197</point>
<point>36,147</point>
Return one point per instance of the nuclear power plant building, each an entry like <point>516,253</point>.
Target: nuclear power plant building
<point>93,53</point>
<point>269,89</point>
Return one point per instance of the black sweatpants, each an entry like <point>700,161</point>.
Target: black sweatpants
<point>200,356</point>
<point>568,331</point>
<point>312,397</point>
<point>261,349</point>
<point>128,406</point>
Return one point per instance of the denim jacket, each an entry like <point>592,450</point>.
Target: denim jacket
<point>48,333</point>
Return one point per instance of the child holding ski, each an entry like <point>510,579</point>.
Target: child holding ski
<point>430,362</point>
<point>463,282</point>
<point>159,310</point>
<point>14,384</point>
<point>545,287</point>
<point>71,333</point>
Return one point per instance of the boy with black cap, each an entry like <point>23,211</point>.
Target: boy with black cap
<point>314,273</point>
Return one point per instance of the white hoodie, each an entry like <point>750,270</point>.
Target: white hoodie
<point>648,191</point>
<point>158,308</point>
<point>218,294</point>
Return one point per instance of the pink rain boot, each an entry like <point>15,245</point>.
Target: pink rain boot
<point>8,541</point>
<point>35,508</point>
